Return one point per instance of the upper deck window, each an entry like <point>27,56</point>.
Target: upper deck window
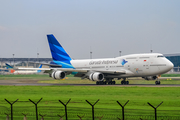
<point>131,58</point>
<point>143,57</point>
<point>160,56</point>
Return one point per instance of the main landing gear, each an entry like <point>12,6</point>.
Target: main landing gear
<point>107,81</point>
<point>124,82</point>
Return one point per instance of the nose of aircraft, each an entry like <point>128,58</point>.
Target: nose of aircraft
<point>170,65</point>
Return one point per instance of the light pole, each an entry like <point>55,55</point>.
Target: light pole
<point>13,59</point>
<point>119,53</point>
<point>90,55</point>
<point>37,58</point>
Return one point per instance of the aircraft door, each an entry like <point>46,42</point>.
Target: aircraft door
<point>146,66</point>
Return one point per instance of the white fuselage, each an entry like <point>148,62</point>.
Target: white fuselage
<point>137,65</point>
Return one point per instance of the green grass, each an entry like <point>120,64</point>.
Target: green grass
<point>137,96</point>
<point>170,75</point>
<point>107,105</point>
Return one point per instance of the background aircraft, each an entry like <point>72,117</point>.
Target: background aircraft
<point>103,71</point>
<point>15,71</point>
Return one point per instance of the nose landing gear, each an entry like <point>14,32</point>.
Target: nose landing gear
<point>157,82</point>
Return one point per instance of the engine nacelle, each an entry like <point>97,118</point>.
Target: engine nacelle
<point>58,75</point>
<point>96,76</point>
<point>150,78</point>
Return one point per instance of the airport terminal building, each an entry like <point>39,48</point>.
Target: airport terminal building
<point>175,59</point>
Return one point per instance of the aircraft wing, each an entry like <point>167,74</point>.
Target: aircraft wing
<point>47,70</point>
<point>52,65</point>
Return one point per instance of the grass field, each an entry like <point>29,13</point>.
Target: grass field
<point>107,105</point>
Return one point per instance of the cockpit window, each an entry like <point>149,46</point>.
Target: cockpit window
<point>160,56</point>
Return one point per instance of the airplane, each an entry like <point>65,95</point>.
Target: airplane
<point>103,71</point>
<point>15,71</point>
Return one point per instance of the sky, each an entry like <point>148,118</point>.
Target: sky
<point>104,27</point>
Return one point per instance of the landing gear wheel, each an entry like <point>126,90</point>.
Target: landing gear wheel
<point>124,82</point>
<point>97,83</point>
<point>113,82</point>
<point>127,82</point>
<point>157,82</point>
<point>110,83</point>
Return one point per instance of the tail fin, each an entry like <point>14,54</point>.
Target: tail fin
<point>8,66</point>
<point>39,70</point>
<point>57,51</point>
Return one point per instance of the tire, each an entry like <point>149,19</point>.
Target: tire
<point>127,82</point>
<point>113,82</point>
<point>122,82</point>
<point>156,82</point>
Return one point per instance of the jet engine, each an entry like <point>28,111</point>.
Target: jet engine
<point>58,75</point>
<point>150,78</point>
<point>96,76</point>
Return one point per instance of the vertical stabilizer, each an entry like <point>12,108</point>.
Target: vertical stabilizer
<point>38,71</point>
<point>57,51</point>
<point>9,66</point>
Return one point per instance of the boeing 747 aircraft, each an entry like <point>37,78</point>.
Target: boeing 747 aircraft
<point>103,71</point>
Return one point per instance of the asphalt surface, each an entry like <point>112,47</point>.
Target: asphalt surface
<point>35,83</point>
